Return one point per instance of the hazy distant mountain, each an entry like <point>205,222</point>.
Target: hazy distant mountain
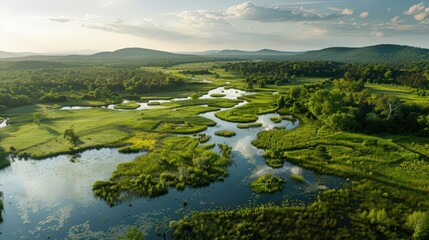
<point>121,57</point>
<point>50,54</point>
<point>208,52</point>
<point>385,53</point>
<point>135,53</point>
<point>262,52</point>
<point>8,55</point>
<point>66,53</point>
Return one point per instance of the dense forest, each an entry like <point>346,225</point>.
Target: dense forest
<point>413,75</point>
<point>19,88</point>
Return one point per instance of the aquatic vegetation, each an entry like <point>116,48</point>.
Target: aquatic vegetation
<point>260,103</point>
<point>140,141</point>
<point>276,119</point>
<point>180,127</point>
<point>128,105</point>
<point>288,117</point>
<point>347,154</point>
<point>250,125</point>
<point>274,158</point>
<point>216,103</point>
<point>225,133</point>
<point>153,103</point>
<point>298,178</point>
<point>217,95</point>
<point>267,184</point>
<point>132,234</point>
<point>176,162</point>
<point>203,138</point>
<point>336,214</point>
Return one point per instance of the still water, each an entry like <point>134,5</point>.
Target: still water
<point>52,198</point>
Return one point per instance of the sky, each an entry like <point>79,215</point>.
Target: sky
<point>190,26</point>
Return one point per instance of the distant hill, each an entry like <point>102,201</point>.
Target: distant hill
<point>136,53</point>
<point>30,65</point>
<point>262,52</point>
<point>8,55</point>
<point>121,57</point>
<point>385,53</point>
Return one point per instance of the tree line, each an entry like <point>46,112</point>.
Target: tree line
<point>19,88</point>
<point>412,75</point>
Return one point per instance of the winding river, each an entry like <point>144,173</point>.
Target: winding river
<point>52,197</point>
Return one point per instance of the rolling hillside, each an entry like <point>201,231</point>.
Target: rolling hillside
<point>380,53</point>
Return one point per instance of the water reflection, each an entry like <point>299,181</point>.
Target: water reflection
<point>57,179</point>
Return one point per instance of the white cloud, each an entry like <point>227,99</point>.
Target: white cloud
<point>398,25</point>
<point>250,11</point>
<point>364,15</point>
<point>248,24</point>
<point>395,20</point>
<point>62,19</point>
<point>377,34</point>
<point>421,16</point>
<point>415,9</point>
<point>318,32</point>
<point>420,12</point>
<point>347,12</point>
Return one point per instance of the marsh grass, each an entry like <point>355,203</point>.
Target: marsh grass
<point>276,119</point>
<point>267,184</point>
<point>128,106</point>
<point>176,162</point>
<point>259,103</point>
<point>225,133</point>
<point>249,125</point>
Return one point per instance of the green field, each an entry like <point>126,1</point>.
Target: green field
<point>404,93</point>
<point>94,127</point>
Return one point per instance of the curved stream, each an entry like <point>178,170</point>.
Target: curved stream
<point>53,198</point>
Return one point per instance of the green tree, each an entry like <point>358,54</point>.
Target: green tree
<point>418,222</point>
<point>71,136</point>
<point>324,103</point>
<point>37,118</point>
<point>195,96</point>
<point>261,84</point>
<point>250,85</point>
<point>341,121</point>
<point>387,105</point>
